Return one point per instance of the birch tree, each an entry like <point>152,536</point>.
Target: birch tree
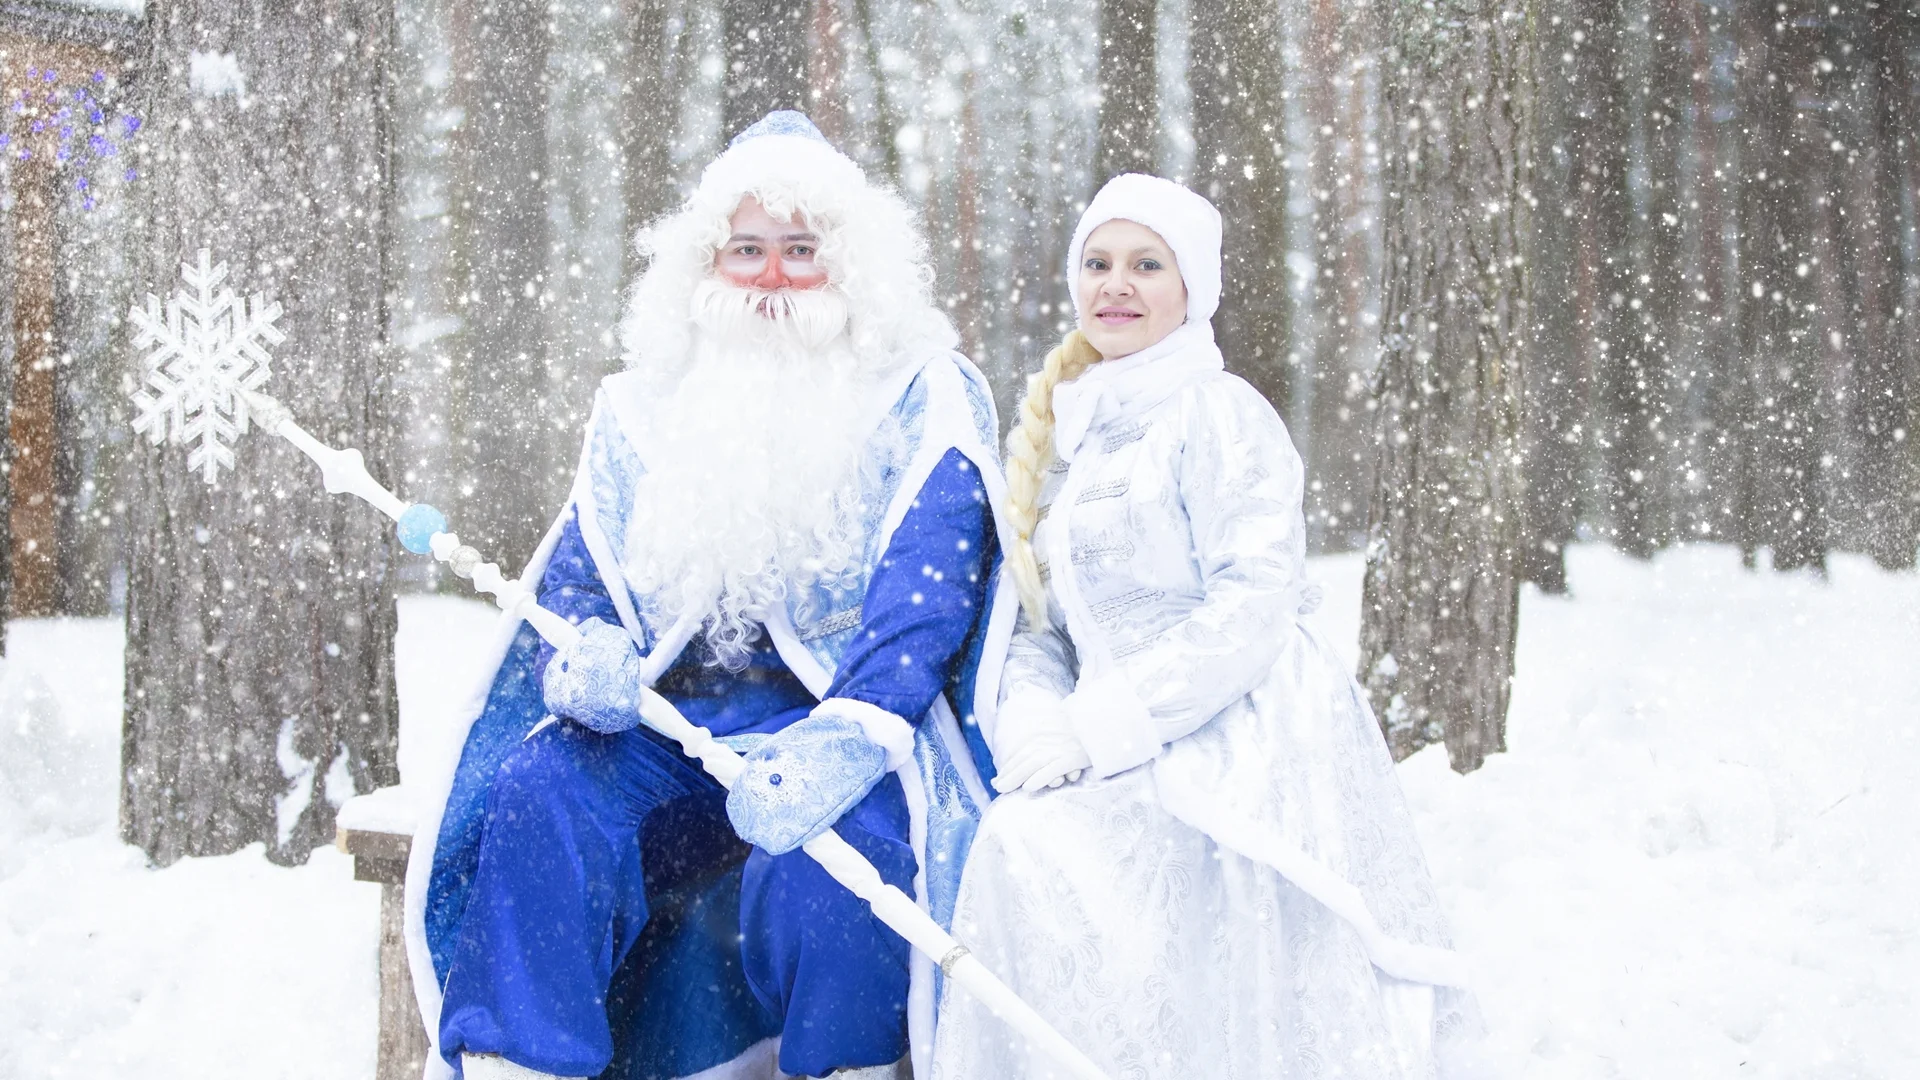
<point>1440,601</point>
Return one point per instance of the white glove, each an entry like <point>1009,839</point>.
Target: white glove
<point>1034,745</point>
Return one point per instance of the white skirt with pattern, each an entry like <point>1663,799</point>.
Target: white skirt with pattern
<point>1162,955</point>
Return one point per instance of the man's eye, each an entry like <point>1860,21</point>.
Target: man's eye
<point>746,249</point>
<point>800,250</point>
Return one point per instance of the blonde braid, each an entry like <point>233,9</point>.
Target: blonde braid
<point>1029,453</point>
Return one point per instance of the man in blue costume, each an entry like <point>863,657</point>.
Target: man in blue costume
<point>782,522</point>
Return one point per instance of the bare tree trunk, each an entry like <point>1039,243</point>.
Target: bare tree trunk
<point>1236,76</point>
<point>9,353</point>
<point>1129,90</point>
<point>1441,599</point>
<point>1661,278</point>
<point>1625,402</point>
<point>886,115</point>
<point>968,291</point>
<point>649,102</point>
<point>500,236</point>
<point>1883,396</point>
<point>429,318</point>
<point>260,617</point>
<point>31,446</point>
<point>1555,393</point>
<point>766,60</point>
<point>1332,79</point>
<point>826,67</point>
<point>1783,165</point>
<point>1710,318</point>
<point>586,213</point>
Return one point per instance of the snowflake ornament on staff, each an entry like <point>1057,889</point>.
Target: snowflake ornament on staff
<point>206,353</point>
<point>203,379</point>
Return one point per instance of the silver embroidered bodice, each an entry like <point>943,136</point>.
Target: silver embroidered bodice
<point>1185,537</point>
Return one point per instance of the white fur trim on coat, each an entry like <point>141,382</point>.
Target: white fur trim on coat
<point>1112,723</point>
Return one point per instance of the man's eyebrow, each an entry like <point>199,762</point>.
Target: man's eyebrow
<point>789,238</point>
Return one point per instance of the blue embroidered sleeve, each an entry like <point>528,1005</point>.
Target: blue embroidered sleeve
<point>924,596</point>
<point>571,587</point>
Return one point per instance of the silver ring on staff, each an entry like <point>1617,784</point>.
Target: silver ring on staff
<point>953,957</point>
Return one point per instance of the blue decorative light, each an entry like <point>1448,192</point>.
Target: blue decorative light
<point>417,526</point>
<point>78,146</point>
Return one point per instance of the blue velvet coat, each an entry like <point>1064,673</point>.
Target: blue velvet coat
<point>683,1010</point>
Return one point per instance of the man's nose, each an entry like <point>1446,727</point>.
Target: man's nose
<point>773,275</point>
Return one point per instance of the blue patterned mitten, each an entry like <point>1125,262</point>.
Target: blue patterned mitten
<point>799,782</point>
<point>596,680</point>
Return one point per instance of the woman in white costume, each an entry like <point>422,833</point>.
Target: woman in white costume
<point>1204,865</point>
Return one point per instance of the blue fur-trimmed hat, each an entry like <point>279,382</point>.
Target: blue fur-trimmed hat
<point>781,150</point>
<point>779,122</point>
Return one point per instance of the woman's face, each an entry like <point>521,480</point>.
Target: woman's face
<point>1131,293</point>
<point>763,252</point>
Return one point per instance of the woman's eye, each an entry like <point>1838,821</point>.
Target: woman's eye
<point>1096,264</point>
<point>1149,264</point>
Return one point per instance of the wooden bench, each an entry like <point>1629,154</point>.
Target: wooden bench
<point>377,830</point>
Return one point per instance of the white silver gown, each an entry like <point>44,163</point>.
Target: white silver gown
<point>1253,902</point>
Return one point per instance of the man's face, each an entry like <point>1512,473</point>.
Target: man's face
<point>767,254</point>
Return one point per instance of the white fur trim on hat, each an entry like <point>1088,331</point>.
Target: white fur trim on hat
<point>1186,221</point>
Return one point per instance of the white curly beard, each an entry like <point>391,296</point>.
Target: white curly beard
<point>753,485</point>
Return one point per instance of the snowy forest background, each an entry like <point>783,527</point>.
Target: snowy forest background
<point>1663,290</point>
<point>1615,297</point>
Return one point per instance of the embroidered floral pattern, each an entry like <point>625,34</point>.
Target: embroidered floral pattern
<point>799,782</point>
<point>596,681</point>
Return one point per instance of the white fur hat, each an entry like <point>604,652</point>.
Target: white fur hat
<point>1186,221</point>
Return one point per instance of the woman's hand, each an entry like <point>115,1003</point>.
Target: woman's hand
<point>1034,744</point>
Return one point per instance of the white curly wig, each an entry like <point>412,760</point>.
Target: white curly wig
<point>870,245</point>
<point>755,474</point>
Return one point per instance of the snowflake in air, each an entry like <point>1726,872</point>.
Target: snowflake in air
<point>209,346</point>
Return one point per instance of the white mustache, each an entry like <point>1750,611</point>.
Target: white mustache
<point>810,318</point>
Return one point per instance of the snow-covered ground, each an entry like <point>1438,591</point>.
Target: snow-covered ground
<point>1700,858</point>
